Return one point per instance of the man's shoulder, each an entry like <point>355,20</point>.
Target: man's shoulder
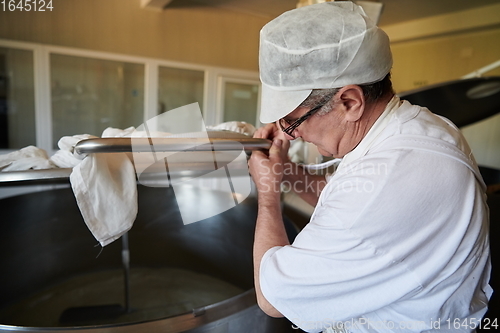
<point>416,121</point>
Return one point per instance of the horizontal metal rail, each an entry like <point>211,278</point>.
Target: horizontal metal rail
<point>120,145</point>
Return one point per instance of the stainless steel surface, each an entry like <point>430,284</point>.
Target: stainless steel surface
<point>154,173</point>
<point>35,177</point>
<point>462,101</point>
<point>116,145</point>
<point>126,270</point>
<point>90,314</point>
<point>493,314</point>
<point>45,242</point>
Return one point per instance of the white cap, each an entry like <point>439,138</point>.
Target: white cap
<point>321,46</point>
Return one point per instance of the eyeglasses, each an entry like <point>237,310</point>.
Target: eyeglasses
<point>289,128</point>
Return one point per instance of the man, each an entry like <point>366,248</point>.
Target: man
<point>398,240</point>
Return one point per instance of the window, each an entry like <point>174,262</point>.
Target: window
<point>17,99</point>
<point>178,87</point>
<point>240,100</point>
<point>89,95</point>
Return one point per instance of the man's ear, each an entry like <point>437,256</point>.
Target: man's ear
<point>353,101</point>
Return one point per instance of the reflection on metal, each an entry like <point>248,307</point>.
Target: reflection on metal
<point>464,102</point>
<point>484,90</point>
<point>35,177</point>
<point>61,176</point>
<point>115,145</point>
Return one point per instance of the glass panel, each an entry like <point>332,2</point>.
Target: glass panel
<point>178,87</point>
<point>17,99</point>
<point>241,102</point>
<point>89,95</point>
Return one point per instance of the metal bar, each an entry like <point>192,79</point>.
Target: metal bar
<point>35,177</point>
<point>126,270</point>
<point>479,72</point>
<point>120,145</point>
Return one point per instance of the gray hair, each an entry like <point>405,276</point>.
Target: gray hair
<point>372,92</point>
<point>320,96</point>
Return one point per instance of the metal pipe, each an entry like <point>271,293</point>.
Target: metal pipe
<point>481,71</point>
<point>126,270</point>
<point>35,177</point>
<point>121,145</point>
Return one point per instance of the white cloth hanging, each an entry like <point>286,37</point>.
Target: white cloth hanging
<point>29,157</point>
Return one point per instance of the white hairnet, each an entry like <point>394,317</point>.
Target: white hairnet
<point>321,46</point>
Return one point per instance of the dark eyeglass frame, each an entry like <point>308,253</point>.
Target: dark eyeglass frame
<point>292,127</point>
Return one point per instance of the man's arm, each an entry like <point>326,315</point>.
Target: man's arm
<point>269,232</point>
<point>269,229</point>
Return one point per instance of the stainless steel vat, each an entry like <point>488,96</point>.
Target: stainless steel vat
<point>45,243</point>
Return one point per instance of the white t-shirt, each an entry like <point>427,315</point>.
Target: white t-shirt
<point>398,240</point>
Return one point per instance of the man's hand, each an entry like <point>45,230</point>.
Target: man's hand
<point>267,170</point>
<point>269,131</point>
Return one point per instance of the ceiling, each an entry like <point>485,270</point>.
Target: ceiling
<point>395,11</point>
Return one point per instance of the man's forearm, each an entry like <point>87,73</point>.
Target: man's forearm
<point>269,232</point>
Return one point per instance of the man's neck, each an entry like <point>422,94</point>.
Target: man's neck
<point>374,110</point>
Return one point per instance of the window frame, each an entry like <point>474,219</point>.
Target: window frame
<point>222,80</point>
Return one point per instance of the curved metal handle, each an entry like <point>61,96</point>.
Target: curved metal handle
<point>121,145</point>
